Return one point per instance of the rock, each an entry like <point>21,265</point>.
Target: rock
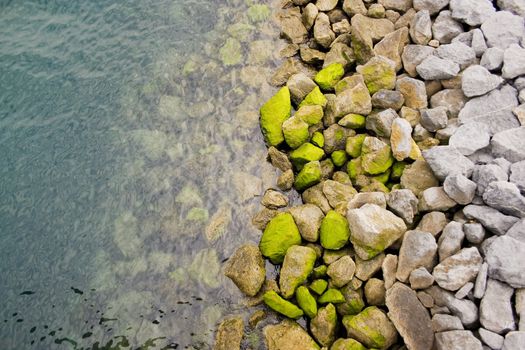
<point>389,267</point>
<point>458,53</point>
<point>410,318</point>
<point>505,197</point>
<point>326,5</point>
<point>478,42</point>
<point>503,29</point>
<point>465,309</point>
<point>347,344</point>
<point>362,45</point>
<point>517,231</point>
<point>433,222</point>
<point>274,200</point>
<point>306,153</point>
<point>418,177</point>
<point>286,180</point>
<point>404,204</point>
<point>452,99</point>
<point>297,266</point>
<point>300,85</point>
<point>474,232</point>
<point>262,218</point>
<point>306,301</point>
<point>490,218</point>
<point>457,340</point>
<point>442,323</point>
<point>483,175</point>
<point>514,341</point>
<point>447,160</point>
<point>492,58</point>
<point>286,335</point>
<point>481,281</point>
<point>472,12</point>
<point>388,99</point>
<point>435,198</point>
<point>341,27</point>
<point>367,268</point>
<point>333,296</point>
<point>517,175</point>
<point>279,159</point>
<point>314,195</point>
<point>355,100</point>
<point>280,234</point>
<point>282,306</point>
<point>381,123</point>
<point>509,144</point>
<point>413,91</point>
<point>229,334</point>
<point>451,239</point>
<point>413,55</point>
<point>341,271</point>
<point>339,53</point>
<point>379,73</point>
<point>391,46</point>
<point>376,156</point>
<point>308,219</point>
<point>445,28</point>
<point>329,76</point>
<point>231,52</point>
<point>396,5</point>
<point>309,175</point>
<point>363,198</point>
<point>495,310</point>
<point>401,139</point>
<point>421,28</point>
<point>470,138</point>
<point>311,115</point>
<point>371,327</point>
<point>434,119</point>
<point>311,56</point>
<point>373,229</point>
<point>310,12</point>
<point>459,188</point>
<point>353,7</point>
<point>323,33</point>
<point>273,113</point>
<point>353,303</point>
<point>456,270</point>
<point>375,292</point>
<point>375,28</point>
<point>246,269</point>
<point>334,232</point>
<point>324,325</point>
<point>418,249</point>
<point>477,80</point>
<point>505,257</point>
<point>420,278</point>
<point>520,306</point>
<point>435,68</point>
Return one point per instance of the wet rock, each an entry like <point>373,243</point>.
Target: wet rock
<point>246,269</point>
<point>477,80</point>
<point>435,68</point>
<point>341,271</point>
<point>503,29</point>
<point>509,144</point>
<point>292,27</point>
<point>410,317</point>
<point>447,160</point>
<point>492,58</point>
<point>334,232</point>
<point>403,203</point>
<point>421,28</point>
<point>229,334</point>
<point>401,139</point>
<point>300,85</point>
<point>372,328</point>
<point>470,138</point>
<point>457,340</point>
<point>286,335</point>
<point>505,197</point>
<point>456,270</point>
<point>495,310</point>
<point>308,218</point>
<point>420,278</point>
<point>505,257</point>
<point>435,198</point>
<point>273,113</point>
<point>375,292</point>
<point>324,325</point>
<point>442,323</point>
<point>323,33</point>
<point>472,12</point>
<point>413,91</point>
<point>280,234</point>
<point>418,177</point>
<point>418,249</point>
<point>373,229</point>
<point>445,28</point>
<point>297,266</point>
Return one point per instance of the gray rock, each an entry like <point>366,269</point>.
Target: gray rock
<point>458,53</point>
<point>292,26</point>
<point>410,317</point>
<point>447,160</point>
<point>279,159</point>
<point>246,269</point>
<point>493,109</point>
<point>323,33</point>
<point>420,278</point>
<point>432,6</point>
<point>341,271</point>
<point>493,340</point>
<point>474,232</point>
<point>443,323</point>
<point>364,269</point>
<point>503,164</point>
<point>458,269</point>
<point>404,204</point>
<point>443,135</point>
<point>506,258</point>
<point>505,197</point>
<point>300,85</point>
<point>490,218</point>
<point>465,309</point>
<point>472,12</point>
<point>520,307</point>
<point>517,175</point>
<point>381,123</point>
<point>464,291</point>
<point>445,28</point>
<point>418,249</point>
<point>481,281</point>
<point>435,198</point>
<point>435,68</point>
<point>457,340</point>
<point>492,59</point>
<point>421,28</point>
<point>452,99</point>
<point>413,55</point>
<point>495,310</point>
<point>477,80</point>
<point>483,175</point>
<point>434,119</point>
<point>517,231</point>
<point>451,239</point>
<point>388,99</point>
<point>308,219</point>
<point>389,267</point>
<point>515,6</point>
<point>375,292</point>
<point>503,29</point>
<point>514,341</point>
<point>470,138</point>
<point>464,38</point>
<point>459,188</point>
<point>478,43</point>
<point>513,62</point>
<point>229,334</point>
<point>509,144</point>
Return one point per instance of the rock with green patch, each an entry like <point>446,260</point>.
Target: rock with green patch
<point>273,114</point>
<point>373,229</point>
<point>347,344</point>
<point>297,266</point>
<point>304,154</point>
<point>246,269</point>
<point>354,145</point>
<point>372,328</point>
<point>338,193</point>
<point>286,335</point>
<point>231,52</point>
<point>333,296</point>
<point>319,271</point>
<point>306,301</point>
<point>229,334</point>
<point>354,100</point>
<point>329,76</point>
<point>315,97</point>
<point>311,115</point>
<point>197,214</point>
<point>362,45</point>
<point>353,121</point>
<point>309,175</point>
<point>354,168</point>
<point>324,325</point>
<point>317,139</point>
<point>354,301</point>
<point>318,286</point>
<point>295,132</point>
<point>258,13</point>
<point>397,170</point>
<point>334,231</point>
<point>376,156</point>
<point>280,234</point>
<point>335,138</point>
<point>339,158</point>
<point>379,73</point>
<point>282,306</point>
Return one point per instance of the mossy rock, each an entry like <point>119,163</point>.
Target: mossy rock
<point>273,114</point>
<point>297,266</point>
<point>353,121</point>
<point>327,77</point>
<point>280,234</point>
<point>295,132</point>
<point>231,52</point>
<point>258,13</point>
<point>354,144</point>
<point>306,301</point>
<point>339,157</point>
<point>309,175</point>
<point>317,139</point>
<point>311,114</point>
<point>376,156</point>
<point>319,271</point>
<point>382,178</point>
<point>315,97</point>
<point>282,306</point>
<point>304,154</point>
<point>379,73</point>
<point>197,214</point>
<point>397,170</point>
<point>319,286</point>
<point>347,344</point>
<point>333,296</point>
<point>334,231</point>
<point>354,168</point>
<point>372,328</point>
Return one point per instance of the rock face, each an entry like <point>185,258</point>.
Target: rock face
<point>246,269</point>
<point>371,327</point>
<point>418,249</point>
<point>286,335</point>
<point>458,269</point>
<point>229,334</point>
<point>410,318</point>
<point>297,266</point>
<point>505,257</point>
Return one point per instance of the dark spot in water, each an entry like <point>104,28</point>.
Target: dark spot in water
<point>20,320</point>
<point>42,338</point>
<point>27,292</point>
<point>45,326</point>
<point>15,314</point>
<point>86,335</point>
<point>155,322</point>
<point>77,291</point>
<point>32,330</point>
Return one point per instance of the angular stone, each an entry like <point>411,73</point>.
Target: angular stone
<point>517,175</point>
<point>334,231</point>
<point>388,99</point>
<point>481,281</point>
<point>329,76</point>
<point>341,271</point>
<point>323,33</point>
<point>478,43</point>
<point>477,80</point>
<point>435,68</point>
<point>515,6</point>
<point>310,12</point>
<point>495,309</point>
<point>311,56</point>
<point>457,340</point>
<point>367,268</point>
<point>292,26</point>
<point>470,137</point>
<point>376,29</point>
<point>459,188</point>
<point>396,5</point>
<point>300,85</point>
<point>381,123</point>
<point>434,119</point>
<point>413,55</point>
<point>505,197</point>
<point>447,160</point>
<point>410,317</point>
<point>492,58</point>
<point>282,306</point>
<point>474,232</point>
<point>372,328</point>
<point>450,240</point>
<point>286,335</point>
<point>456,270</point>
<point>376,156</point>
<point>389,267</point>
<point>339,53</point>
<point>229,334</point>
<point>379,73</point>
<point>418,177</point>
<point>509,144</point>
<point>457,52</point>
<point>421,28</point>
<point>483,175</point>
<point>420,278</point>
<point>308,219</point>
<point>503,29</point>
<point>433,222</point>
<point>309,175</point>
<point>295,132</point>
<point>314,195</point>
<point>413,91</point>
<point>435,198</point>
<point>392,46</point>
<point>452,99</point>
<point>355,100</point>
<point>442,323</point>
<point>403,203</point>
<point>472,12</point>
<point>445,28</point>
<point>506,258</point>
<point>514,341</point>
<point>324,325</point>
<point>246,269</point>
<point>297,265</point>
<point>490,218</point>
<point>418,249</point>
<point>375,292</point>
<point>279,159</point>
<point>465,309</point>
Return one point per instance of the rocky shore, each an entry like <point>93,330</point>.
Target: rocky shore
<point>399,123</point>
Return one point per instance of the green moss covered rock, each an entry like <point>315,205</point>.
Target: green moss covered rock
<point>280,234</point>
<point>297,266</point>
<point>333,296</point>
<point>379,73</point>
<point>273,114</point>
<point>309,175</point>
<point>319,271</point>
<point>327,77</point>
<point>339,157</point>
<point>319,286</point>
<point>372,328</point>
<point>231,52</point>
<point>376,156</point>
<point>310,114</point>
<point>315,97</point>
<point>354,168</point>
<point>304,154</point>
<point>258,12</point>
<point>353,121</point>
<point>397,170</point>
<point>324,325</point>
<point>306,301</point>
<point>347,344</point>
<point>282,306</point>
<point>318,139</point>
<point>295,132</point>
<point>334,231</point>
<point>354,144</point>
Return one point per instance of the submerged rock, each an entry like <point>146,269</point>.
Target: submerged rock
<point>229,334</point>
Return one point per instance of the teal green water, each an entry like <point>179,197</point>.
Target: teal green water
<point>131,163</point>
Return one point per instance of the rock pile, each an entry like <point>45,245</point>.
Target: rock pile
<point>400,126</point>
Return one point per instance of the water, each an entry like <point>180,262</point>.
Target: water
<point>131,164</point>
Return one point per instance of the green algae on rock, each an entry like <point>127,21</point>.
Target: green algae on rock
<point>315,97</point>
<point>304,154</point>
<point>319,286</point>
<point>306,301</point>
<point>379,73</point>
<point>347,344</point>
<point>333,296</point>
<point>329,76</point>
<point>282,306</point>
<point>297,265</point>
<point>354,145</point>
<point>280,234</point>
<point>376,156</point>
<point>311,114</point>
<point>334,231</point>
<point>273,114</point>
<point>231,52</point>
<point>295,132</point>
<point>353,121</point>
<point>324,325</point>
<point>309,175</point>
<point>372,328</point>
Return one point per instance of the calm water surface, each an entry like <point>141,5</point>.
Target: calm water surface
<point>131,163</point>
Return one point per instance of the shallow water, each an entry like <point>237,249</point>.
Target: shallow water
<point>131,165</point>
